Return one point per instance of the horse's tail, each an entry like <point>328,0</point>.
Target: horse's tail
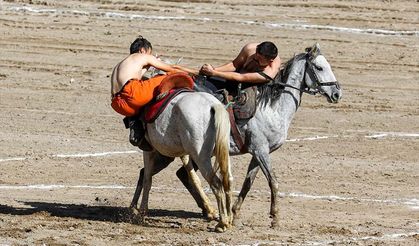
<point>222,145</point>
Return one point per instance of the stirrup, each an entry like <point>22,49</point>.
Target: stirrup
<point>222,96</point>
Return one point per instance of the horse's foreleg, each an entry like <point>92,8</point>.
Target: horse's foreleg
<point>247,184</point>
<point>193,184</point>
<point>265,165</point>
<point>149,165</point>
<point>146,191</point>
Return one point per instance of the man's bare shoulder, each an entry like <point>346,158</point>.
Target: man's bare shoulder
<point>136,57</point>
<point>250,47</point>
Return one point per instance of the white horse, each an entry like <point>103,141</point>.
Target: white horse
<point>267,131</point>
<point>195,125</point>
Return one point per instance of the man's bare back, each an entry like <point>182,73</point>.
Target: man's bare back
<point>132,67</point>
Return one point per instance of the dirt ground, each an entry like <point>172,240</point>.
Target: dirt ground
<point>349,174</point>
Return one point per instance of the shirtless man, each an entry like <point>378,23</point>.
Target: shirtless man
<point>130,92</point>
<point>256,63</point>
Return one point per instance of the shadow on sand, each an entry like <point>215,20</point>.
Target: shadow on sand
<point>90,212</point>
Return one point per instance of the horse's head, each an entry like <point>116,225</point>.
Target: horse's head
<point>319,75</point>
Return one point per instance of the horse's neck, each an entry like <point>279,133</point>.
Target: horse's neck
<point>290,98</point>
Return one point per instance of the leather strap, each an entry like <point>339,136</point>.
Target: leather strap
<point>267,77</point>
<point>235,132</point>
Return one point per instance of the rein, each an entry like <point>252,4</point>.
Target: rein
<point>272,81</point>
<point>309,65</point>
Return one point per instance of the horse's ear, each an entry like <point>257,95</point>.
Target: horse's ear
<point>317,48</point>
<point>313,51</point>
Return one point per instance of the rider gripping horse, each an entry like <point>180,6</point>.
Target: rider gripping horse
<point>130,92</point>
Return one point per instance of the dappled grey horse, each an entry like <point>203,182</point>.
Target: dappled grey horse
<point>277,103</point>
<point>195,125</point>
<point>267,131</point>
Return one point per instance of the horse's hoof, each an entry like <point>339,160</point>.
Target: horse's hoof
<point>274,224</point>
<point>138,216</point>
<point>134,211</point>
<point>237,223</point>
<point>237,220</point>
<point>230,225</point>
<point>220,228</point>
<point>209,216</point>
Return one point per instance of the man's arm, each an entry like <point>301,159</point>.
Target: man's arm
<point>239,77</point>
<point>185,69</point>
<point>153,61</point>
<point>254,78</point>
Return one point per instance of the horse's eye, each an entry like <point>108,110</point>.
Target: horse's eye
<point>318,68</point>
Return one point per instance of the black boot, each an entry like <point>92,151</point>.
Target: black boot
<point>137,133</point>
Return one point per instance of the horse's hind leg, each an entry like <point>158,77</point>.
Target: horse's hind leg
<point>216,185</point>
<point>217,189</point>
<point>247,184</point>
<point>201,200</point>
<point>160,162</point>
<point>149,161</point>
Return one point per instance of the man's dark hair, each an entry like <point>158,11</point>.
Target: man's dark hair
<point>267,49</point>
<point>139,43</point>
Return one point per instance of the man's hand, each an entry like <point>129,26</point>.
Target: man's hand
<point>207,69</point>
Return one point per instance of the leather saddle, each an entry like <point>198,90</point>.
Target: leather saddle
<point>242,100</point>
<point>170,87</point>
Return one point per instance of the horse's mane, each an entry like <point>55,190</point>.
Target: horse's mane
<point>271,92</point>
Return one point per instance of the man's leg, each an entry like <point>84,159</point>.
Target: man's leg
<point>137,133</point>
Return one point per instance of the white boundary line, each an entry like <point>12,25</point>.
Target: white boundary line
<point>14,159</point>
<point>350,240</point>
<point>379,135</point>
<point>63,112</point>
<point>77,155</point>
<point>411,203</point>
<point>393,134</point>
<point>370,31</point>
<point>100,154</point>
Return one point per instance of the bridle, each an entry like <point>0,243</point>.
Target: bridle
<point>317,82</point>
<point>317,88</point>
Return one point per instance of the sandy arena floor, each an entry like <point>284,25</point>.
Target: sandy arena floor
<point>348,176</point>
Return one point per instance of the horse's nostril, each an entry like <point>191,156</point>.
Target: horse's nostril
<point>335,96</point>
